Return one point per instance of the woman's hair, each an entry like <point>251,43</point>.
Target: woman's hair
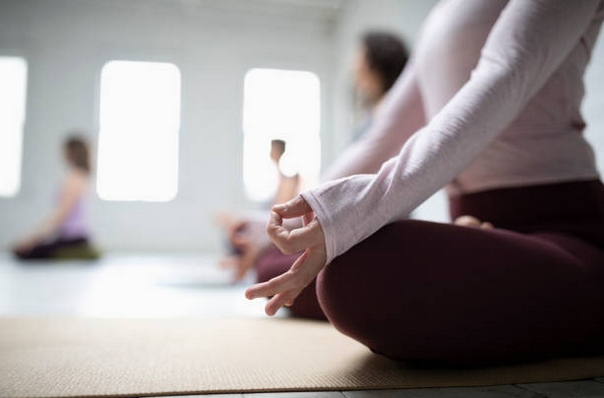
<point>385,54</point>
<point>78,153</point>
<point>279,144</point>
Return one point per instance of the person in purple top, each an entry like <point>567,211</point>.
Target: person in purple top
<point>64,234</point>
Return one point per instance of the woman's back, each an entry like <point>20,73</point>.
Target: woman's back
<point>75,224</point>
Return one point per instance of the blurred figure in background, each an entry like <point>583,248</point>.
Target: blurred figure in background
<point>287,180</point>
<point>378,63</point>
<point>65,234</point>
<point>380,59</point>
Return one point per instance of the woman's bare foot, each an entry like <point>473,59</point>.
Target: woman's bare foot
<point>471,221</point>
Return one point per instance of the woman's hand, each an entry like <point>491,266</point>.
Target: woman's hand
<point>284,288</point>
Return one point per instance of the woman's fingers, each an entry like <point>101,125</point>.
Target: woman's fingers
<point>274,286</point>
<point>279,300</point>
<point>294,208</point>
<point>290,302</point>
<point>307,218</point>
<point>285,288</point>
<point>295,241</point>
<point>275,225</point>
<point>282,283</point>
<point>278,234</point>
<point>305,237</point>
<point>309,239</point>
<point>299,239</point>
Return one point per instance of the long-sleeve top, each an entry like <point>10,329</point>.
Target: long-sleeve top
<point>491,99</point>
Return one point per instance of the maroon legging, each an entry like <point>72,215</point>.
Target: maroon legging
<point>531,288</point>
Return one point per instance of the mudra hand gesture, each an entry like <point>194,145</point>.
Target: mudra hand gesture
<point>308,239</point>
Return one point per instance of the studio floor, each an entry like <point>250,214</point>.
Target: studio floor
<point>152,285</point>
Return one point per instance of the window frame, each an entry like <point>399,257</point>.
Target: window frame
<point>177,139</point>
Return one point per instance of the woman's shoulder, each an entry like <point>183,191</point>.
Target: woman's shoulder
<point>77,178</point>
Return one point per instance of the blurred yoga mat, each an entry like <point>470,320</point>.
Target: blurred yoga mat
<point>67,357</point>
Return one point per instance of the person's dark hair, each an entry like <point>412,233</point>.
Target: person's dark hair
<point>279,144</point>
<point>78,153</point>
<point>386,54</point>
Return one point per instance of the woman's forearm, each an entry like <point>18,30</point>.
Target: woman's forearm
<point>399,116</point>
<point>526,45</point>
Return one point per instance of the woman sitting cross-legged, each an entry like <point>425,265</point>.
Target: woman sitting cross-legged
<point>64,234</point>
<point>500,84</point>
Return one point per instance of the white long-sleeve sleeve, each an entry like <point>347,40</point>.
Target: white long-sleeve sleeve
<point>525,46</point>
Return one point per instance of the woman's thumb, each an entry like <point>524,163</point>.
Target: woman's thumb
<point>293,208</point>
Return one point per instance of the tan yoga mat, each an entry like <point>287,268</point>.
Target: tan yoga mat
<point>66,357</point>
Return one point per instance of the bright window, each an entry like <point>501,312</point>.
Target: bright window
<point>13,87</point>
<point>284,105</point>
<point>139,125</point>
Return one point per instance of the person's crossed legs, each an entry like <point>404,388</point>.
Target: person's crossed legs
<point>439,292</point>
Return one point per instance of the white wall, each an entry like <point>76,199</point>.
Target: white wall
<point>593,106</point>
<point>214,43</point>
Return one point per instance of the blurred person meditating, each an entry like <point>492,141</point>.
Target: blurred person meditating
<point>288,181</point>
<point>65,233</point>
<point>379,60</point>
